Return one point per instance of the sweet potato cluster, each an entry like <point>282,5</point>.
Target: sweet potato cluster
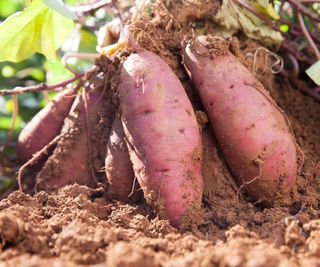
<point>155,137</point>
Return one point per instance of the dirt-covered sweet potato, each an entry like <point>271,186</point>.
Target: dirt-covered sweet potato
<point>162,135</point>
<point>44,126</point>
<point>69,162</point>
<point>118,166</point>
<point>252,131</point>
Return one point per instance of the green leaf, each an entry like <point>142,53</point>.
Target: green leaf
<point>37,74</point>
<point>56,72</point>
<point>36,29</point>
<point>5,123</point>
<point>9,7</point>
<point>58,6</point>
<point>88,42</point>
<point>314,72</point>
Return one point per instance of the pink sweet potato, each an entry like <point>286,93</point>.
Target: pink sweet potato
<point>44,126</point>
<point>69,162</point>
<point>118,166</point>
<point>253,133</point>
<point>163,137</point>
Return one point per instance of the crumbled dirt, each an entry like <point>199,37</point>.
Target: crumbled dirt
<point>77,226</point>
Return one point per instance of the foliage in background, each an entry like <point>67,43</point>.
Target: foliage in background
<point>232,18</point>
<point>37,68</point>
<point>37,28</point>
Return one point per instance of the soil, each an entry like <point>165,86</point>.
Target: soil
<point>78,226</point>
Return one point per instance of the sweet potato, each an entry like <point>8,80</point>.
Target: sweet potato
<point>163,137</point>
<point>118,166</point>
<point>44,126</point>
<point>215,174</point>
<point>253,132</point>
<point>69,162</point>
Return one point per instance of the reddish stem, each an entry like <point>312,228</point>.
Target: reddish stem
<point>307,35</point>
<point>295,65</point>
<point>301,8</point>
<point>44,87</point>
<point>37,88</point>
<point>309,1</point>
<point>295,29</point>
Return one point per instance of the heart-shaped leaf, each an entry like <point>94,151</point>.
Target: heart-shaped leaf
<point>37,28</point>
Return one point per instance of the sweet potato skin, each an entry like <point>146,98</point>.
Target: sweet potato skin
<point>118,166</point>
<point>69,162</point>
<point>252,131</point>
<point>162,135</point>
<point>44,126</point>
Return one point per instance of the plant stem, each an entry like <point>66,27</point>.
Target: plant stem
<point>44,87</point>
<point>37,88</point>
<point>301,8</point>
<point>307,35</point>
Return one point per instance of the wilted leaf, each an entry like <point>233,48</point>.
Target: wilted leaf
<point>233,18</point>
<point>36,29</point>
<point>269,11</point>
<point>314,72</point>
<point>263,3</point>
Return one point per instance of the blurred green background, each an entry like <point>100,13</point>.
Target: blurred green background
<point>38,69</point>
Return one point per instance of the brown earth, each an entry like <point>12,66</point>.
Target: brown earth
<point>77,226</point>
